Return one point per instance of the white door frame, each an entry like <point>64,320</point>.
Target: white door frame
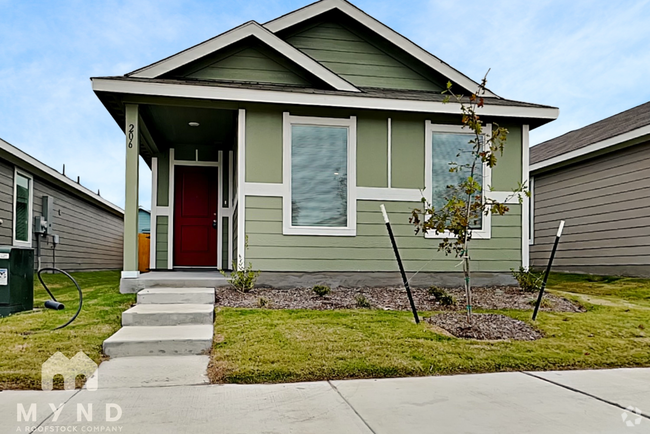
<point>172,190</point>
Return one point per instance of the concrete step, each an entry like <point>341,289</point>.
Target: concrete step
<point>159,341</point>
<point>168,315</point>
<point>176,296</point>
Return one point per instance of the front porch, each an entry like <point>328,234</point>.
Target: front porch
<point>191,150</point>
<point>173,279</point>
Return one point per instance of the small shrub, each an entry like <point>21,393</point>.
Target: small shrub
<point>528,280</point>
<point>546,304</point>
<point>321,290</point>
<point>263,302</point>
<point>242,277</point>
<point>362,302</point>
<point>442,296</point>
<point>436,292</point>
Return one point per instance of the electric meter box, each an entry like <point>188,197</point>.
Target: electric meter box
<point>16,279</point>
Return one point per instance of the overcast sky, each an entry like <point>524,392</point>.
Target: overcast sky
<point>589,58</point>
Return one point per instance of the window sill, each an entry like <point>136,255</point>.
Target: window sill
<point>319,231</point>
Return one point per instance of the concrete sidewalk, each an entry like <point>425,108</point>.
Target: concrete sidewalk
<point>541,402</point>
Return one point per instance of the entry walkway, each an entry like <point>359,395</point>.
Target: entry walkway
<point>516,402</point>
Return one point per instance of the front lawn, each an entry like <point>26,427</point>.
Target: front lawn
<point>27,339</point>
<point>262,345</point>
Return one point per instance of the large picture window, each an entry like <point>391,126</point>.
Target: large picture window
<point>319,173</point>
<point>22,209</point>
<point>446,144</point>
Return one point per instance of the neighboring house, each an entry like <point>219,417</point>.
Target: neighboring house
<point>89,229</point>
<point>144,221</point>
<point>277,143</point>
<point>596,178</point>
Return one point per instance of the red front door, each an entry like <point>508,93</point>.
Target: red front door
<point>195,216</point>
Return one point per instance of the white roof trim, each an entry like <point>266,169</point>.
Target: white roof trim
<point>391,35</point>
<point>309,99</point>
<point>47,171</point>
<point>249,29</point>
<point>612,141</point>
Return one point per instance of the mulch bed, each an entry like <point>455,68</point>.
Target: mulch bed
<point>485,326</point>
<point>389,298</point>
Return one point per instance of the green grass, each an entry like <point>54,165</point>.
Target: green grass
<point>27,339</point>
<point>260,345</point>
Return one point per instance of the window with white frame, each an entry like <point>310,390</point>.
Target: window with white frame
<point>23,194</point>
<point>447,144</point>
<point>319,176</point>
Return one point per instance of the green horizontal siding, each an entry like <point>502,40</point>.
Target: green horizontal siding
<point>249,65</point>
<point>371,250</point>
<point>162,245</point>
<point>357,60</point>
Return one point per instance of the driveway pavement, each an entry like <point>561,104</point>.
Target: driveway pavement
<point>516,402</point>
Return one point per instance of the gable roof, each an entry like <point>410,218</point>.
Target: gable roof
<point>329,82</point>
<point>323,6</point>
<point>27,162</point>
<point>628,125</point>
<point>249,29</point>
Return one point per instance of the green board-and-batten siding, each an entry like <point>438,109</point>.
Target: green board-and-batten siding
<point>356,59</point>
<point>270,250</point>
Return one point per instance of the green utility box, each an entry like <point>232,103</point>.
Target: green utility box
<point>16,279</point>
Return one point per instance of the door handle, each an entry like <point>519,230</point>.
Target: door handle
<point>214,224</point>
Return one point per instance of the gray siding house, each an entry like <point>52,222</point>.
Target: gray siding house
<point>89,228</point>
<point>597,178</point>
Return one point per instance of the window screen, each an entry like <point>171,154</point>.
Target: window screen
<point>447,148</point>
<point>319,176</point>
<point>23,185</point>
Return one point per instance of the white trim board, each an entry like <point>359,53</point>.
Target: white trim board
<point>525,210</point>
<point>264,189</point>
<point>235,35</point>
<point>389,194</point>
<point>241,187</point>
<point>309,99</point>
<point>30,216</point>
<point>379,28</point>
<point>613,141</point>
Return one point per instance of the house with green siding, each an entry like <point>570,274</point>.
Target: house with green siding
<point>276,143</point>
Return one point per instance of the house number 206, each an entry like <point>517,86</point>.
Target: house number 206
<point>131,128</point>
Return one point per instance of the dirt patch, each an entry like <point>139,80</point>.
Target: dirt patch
<point>485,326</point>
<point>389,298</point>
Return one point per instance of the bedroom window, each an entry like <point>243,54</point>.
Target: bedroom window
<point>445,144</point>
<point>23,194</point>
<point>319,176</point>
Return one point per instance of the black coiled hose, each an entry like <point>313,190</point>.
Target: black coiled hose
<point>56,304</point>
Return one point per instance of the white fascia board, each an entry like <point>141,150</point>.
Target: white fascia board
<point>386,32</point>
<point>612,141</point>
<point>309,99</point>
<point>47,171</point>
<point>249,29</point>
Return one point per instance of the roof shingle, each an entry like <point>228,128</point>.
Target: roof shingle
<point>613,126</point>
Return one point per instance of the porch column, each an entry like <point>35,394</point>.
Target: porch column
<point>132,131</point>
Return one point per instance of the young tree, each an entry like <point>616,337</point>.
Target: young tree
<point>465,202</point>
